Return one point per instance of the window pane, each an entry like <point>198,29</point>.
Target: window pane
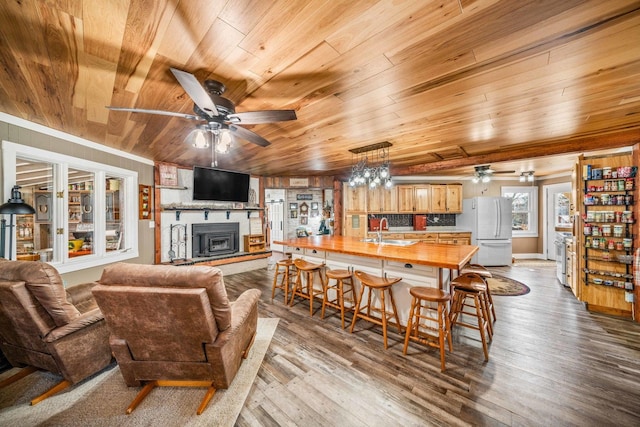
<point>114,201</point>
<point>81,212</point>
<point>520,221</point>
<point>34,239</point>
<point>520,202</point>
<point>562,209</point>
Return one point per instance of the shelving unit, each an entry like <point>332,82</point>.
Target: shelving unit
<point>608,227</point>
<point>254,243</point>
<point>607,235</point>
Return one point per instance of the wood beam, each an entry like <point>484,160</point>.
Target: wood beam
<point>620,139</point>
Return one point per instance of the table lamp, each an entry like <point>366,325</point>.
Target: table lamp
<point>15,206</point>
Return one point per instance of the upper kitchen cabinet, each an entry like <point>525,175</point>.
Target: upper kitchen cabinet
<point>382,199</point>
<point>414,198</point>
<point>355,198</point>
<point>446,198</point>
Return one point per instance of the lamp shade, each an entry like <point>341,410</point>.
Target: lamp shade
<point>16,205</point>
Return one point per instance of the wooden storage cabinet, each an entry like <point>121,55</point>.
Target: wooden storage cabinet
<point>355,198</point>
<point>382,199</point>
<point>446,198</point>
<point>355,225</point>
<point>414,198</point>
<point>254,243</point>
<point>454,238</point>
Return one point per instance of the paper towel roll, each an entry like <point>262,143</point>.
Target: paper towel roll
<point>111,233</point>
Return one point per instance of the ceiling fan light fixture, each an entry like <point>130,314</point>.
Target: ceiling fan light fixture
<point>223,141</point>
<point>530,177</point>
<point>198,138</point>
<point>523,177</point>
<point>486,179</point>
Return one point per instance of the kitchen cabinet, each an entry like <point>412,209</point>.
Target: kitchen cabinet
<point>355,198</point>
<point>454,238</point>
<point>414,198</point>
<point>607,231</point>
<point>355,225</point>
<point>422,237</point>
<point>382,199</point>
<point>446,198</point>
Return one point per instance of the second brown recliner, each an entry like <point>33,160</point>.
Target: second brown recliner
<point>175,326</point>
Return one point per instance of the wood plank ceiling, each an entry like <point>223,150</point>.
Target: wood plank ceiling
<point>450,83</point>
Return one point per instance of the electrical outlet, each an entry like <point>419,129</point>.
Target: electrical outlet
<point>152,224</point>
<point>628,296</point>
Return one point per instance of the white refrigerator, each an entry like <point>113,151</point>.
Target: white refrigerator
<point>489,219</point>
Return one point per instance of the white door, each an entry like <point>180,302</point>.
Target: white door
<point>557,200</point>
<point>276,224</point>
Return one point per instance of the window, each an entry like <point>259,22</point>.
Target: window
<point>524,210</point>
<point>86,212</point>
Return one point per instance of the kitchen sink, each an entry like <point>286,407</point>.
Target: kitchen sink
<point>390,242</point>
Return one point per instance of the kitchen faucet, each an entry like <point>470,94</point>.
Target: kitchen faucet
<point>383,219</point>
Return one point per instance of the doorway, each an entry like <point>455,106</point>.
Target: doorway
<point>557,215</point>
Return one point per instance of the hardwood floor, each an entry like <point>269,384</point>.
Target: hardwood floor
<point>551,363</point>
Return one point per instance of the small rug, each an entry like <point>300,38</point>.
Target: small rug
<point>102,399</point>
<point>504,286</point>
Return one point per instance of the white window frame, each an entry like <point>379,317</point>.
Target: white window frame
<point>533,209</point>
<point>61,163</point>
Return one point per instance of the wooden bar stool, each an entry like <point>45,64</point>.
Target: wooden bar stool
<point>382,285</point>
<point>342,278</point>
<point>309,270</point>
<point>284,268</point>
<point>485,274</point>
<point>470,286</point>
<point>423,314</point>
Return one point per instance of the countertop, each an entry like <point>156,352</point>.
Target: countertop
<point>436,255</point>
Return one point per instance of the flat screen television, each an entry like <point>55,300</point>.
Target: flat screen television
<point>220,185</point>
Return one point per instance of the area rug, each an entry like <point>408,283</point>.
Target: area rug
<point>102,399</point>
<point>504,286</point>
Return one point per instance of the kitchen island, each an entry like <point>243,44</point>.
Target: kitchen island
<point>418,263</point>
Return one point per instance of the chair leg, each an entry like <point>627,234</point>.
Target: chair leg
<point>53,390</point>
<point>412,311</point>
<point>207,397</point>
<point>18,376</point>
<point>140,396</point>
<point>384,318</point>
<point>395,311</point>
<point>357,309</point>
<point>245,352</point>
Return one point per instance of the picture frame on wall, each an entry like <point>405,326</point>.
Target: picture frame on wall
<point>314,206</point>
<point>294,213</point>
<point>293,206</point>
<point>304,220</point>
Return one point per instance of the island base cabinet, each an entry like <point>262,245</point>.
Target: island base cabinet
<point>336,261</point>
<point>412,275</point>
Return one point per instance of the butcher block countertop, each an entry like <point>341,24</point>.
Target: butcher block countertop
<point>436,255</point>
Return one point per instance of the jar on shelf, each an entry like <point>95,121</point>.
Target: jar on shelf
<point>606,230</point>
<point>618,230</point>
<point>627,243</point>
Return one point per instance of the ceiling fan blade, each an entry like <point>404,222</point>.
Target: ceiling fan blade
<point>494,172</point>
<point>196,92</point>
<point>161,112</point>
<point>266,116</point>
<point>248,135</point>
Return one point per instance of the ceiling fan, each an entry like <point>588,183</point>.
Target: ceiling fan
<point>483,173</point>
<point>218,113</point>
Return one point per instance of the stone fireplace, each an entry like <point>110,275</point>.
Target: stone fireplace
<point>215,239</point>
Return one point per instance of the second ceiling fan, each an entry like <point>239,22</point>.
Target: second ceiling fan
<point>217,113</point>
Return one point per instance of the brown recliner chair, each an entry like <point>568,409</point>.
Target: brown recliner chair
<point>43,326</point>
<point>174,326</point>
